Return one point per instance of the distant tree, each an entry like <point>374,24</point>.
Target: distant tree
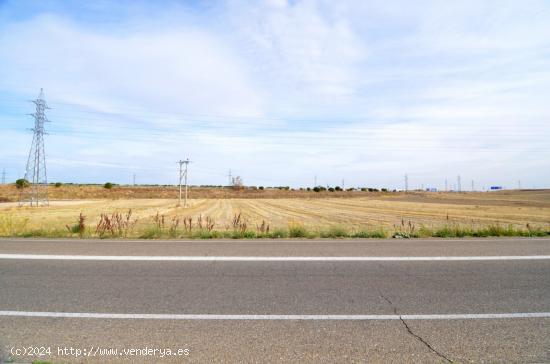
<point>317,189</point>
<point>261,188</point>
<point>337,188</point>
<point>22,183</point>
<point>108,185</point>
<point>308,189</point>
<point>58,184</point>
<point>331,189</point>
<point>384,190</point>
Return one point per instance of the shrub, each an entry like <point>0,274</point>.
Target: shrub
<point>297,231</point>
<point>58,184</point>
<point>378,234</point>
<point>317,189</point>
<point>78,228</point>
<point>108,185</point>
<point>117,225</point>
<point>22,183</point>
<point>331,189</point>
<point>261,188</point>
<point>335,232</point>
<point>338,188</point>
<point>278,234</point>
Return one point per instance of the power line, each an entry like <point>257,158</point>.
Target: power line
<point>35,171</point>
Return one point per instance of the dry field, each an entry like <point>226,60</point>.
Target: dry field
<point>359,211</point>
<point>8,193</point>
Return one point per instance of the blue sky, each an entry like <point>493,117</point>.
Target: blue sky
<point>280,91</point>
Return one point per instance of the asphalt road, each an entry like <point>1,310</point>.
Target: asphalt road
<point>394,289</point>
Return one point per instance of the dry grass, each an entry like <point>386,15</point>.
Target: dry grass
<point>325,216</point>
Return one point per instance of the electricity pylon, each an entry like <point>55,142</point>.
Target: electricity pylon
<point>183,177</point>
<point>35,172</point>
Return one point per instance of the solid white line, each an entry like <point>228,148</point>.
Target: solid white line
<point>482,316</point>
<point>270,258</point>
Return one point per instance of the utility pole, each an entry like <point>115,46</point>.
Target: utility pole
<point>315,181</point>
<point>458,187</point>
<point>230,178</point>
<point>343,185</point>
<point>183,177</point>
<point>4,176</point>
<point>519,184</point>
<point>134,179</point>
<point>472,185</point>
<point>35,171</point>
<point>406,182</point>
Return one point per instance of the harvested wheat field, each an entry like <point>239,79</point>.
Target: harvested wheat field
<point>410,213</point>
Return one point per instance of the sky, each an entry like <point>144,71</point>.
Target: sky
<point>281,92</point>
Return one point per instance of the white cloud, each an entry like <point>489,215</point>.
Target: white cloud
<point>178,70</point>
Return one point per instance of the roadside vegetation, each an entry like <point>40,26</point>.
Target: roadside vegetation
<point>118,225</point>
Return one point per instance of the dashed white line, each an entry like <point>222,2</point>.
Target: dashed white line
<point>482,316</point>
<point>270,258</point>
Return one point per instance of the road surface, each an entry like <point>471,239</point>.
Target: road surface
<point>263,301</point>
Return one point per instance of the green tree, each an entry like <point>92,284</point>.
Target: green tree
<point>22,183</point>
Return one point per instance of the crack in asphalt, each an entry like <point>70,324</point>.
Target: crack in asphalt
<point>418,337</point>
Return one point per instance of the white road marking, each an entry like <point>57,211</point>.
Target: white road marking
<point>270,258</point>
<point>482,316</point>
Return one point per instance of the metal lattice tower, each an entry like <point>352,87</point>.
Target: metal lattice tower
<point>183,177</point>
<point>35,172</point>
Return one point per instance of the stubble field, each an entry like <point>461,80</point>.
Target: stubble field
<point>313,215</point>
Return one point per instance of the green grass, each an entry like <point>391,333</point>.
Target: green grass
<point>366,234</point>
<point>297,231</point>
